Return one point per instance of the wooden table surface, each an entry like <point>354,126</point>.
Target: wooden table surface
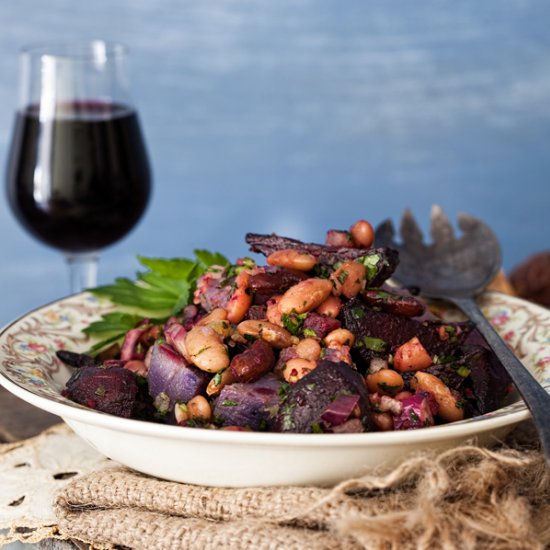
<point>19,420</point>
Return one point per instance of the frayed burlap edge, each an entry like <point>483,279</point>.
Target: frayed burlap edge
<point>466,498</point>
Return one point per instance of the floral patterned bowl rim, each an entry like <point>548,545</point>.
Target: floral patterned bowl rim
<point>30,369</point>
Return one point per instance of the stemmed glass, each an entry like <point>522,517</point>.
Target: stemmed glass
<point>78,175</point>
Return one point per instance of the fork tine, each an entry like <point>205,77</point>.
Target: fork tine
<point>384,234</point>
<point>474,228</point>
<point>475,231</point>
<point>409,230</point>
<point>441,229</point>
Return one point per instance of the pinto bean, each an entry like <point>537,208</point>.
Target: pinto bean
<point>336,237</point>
<point>385,382</point>
<point>273,313</point>
<point>273,334</point>
<point>411,356</point>
<point>240,300</point>
<point>362,233</point>
<point>449,408</point>
<point>199,408</point>
<point>305,296</point>
<point>295,369</point>
<point>137,366</point>
<point>330,307</point>
<point>218,382</point>
<point>217,314</point>
<point>349,279</point>
<point>206,349</point>
<point>383,421</point>
<point>253,363</point>
<point>339,337</point>
<point>181,413</point>
<point>223,328</point>
<point>309,348</point>
<point>292,259</point>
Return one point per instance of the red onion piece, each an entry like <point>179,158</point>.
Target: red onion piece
<point>340,409</point>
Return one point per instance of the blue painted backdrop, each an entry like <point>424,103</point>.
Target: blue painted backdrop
<point>296,116</point>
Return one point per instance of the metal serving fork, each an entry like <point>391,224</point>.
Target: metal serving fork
<point>457,270</point>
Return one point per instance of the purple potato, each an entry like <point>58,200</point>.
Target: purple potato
<point>249,405</point>
<point>170,374</point>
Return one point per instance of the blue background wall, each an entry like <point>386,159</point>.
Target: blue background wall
<point>297,116</point>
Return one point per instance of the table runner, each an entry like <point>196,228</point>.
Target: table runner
<point>468,497</point>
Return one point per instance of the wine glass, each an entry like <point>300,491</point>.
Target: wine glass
<point>78,175</point>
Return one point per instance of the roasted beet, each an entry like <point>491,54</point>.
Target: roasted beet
<point>273,280</point>
<point>321,325</point>
<point>249,405</point>
<point>256,313</point>
<point>253,363</point>
<point>309,399</point>
<point>111,390</point>
<point>380,262</point>
<point>488,383</point>
<point>377,332</point>
<point>407,306</point>
<point>76,360</point>
<point>171,375</point>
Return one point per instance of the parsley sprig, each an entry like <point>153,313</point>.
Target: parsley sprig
<point>162,290</point>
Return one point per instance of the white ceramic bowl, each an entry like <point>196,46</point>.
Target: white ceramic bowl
<point>30,370</point>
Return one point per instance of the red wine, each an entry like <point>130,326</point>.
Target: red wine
<point>79,181</point>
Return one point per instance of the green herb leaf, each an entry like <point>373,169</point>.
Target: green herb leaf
<point>111,322</point>
<point>293,322</point>
<point>374,344</point>
<point>207,258</point>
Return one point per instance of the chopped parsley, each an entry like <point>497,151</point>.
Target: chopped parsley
<point>229,403</point>
<point>463,371</point>
<point>374,344</point>
<point>371,263</point>
<point>217,378</point>
<point>388,388</point>
<point>342,276</point>
<point>293,322</point>
<point>358,312</point>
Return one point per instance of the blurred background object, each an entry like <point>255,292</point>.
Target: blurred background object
<point>531,279</point>
<point>299,116</point>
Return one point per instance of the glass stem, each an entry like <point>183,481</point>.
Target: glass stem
<point>82,270</point>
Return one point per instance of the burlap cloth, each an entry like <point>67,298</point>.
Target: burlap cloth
<point>466,498</point>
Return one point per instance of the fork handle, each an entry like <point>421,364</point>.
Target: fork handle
<point>534,395</point>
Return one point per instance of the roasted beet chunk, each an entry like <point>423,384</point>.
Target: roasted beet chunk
<point>171,375</point>
<point>321,325</point>
<point>76,360</point>
<point>488,383</point>
<point>378,332</point>
<point>273,280</point>
<point>111,390</point>
<point>308,403</point>
<point>380,262</point>
<point>248,405</point>
<point>407,306</point>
